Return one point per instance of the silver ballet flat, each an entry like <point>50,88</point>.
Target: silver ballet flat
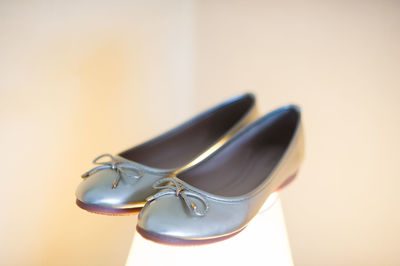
<point>218,197</point>
<point>120,184</point>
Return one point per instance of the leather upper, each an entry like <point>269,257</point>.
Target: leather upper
<point>168,154</point>
<point>234,182</point>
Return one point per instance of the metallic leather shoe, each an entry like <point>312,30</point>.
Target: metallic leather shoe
<point>120,184</point>
<point>218,197</point>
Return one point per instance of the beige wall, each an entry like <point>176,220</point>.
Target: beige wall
<point>80,79</point>
<point>341,61</point>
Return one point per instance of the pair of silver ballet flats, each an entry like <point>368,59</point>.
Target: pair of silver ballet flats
<point>204,180</point>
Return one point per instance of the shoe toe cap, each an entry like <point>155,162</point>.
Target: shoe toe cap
<point>97,190</point>
<point>168,217</point>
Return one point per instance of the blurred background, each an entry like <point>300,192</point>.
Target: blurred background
<point>81,78</point>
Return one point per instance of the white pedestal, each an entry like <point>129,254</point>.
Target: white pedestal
<point>263,242</point>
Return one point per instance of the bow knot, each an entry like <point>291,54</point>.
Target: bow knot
<point>170,186</point>
<point>122,169</point>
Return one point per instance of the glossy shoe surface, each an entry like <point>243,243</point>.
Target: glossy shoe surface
<point>218,197</point>
<point>120,183</point>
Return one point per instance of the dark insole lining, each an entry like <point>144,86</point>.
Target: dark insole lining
<point>246,161</point>
<point>247,173</point>
<point>177,148</point>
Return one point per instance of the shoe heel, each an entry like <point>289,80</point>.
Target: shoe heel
<point>286,182</point>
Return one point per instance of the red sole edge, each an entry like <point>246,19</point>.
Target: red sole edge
<point>107,211</point>
<point>287,182</point>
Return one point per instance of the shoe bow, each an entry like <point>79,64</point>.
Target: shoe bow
<point>171,186</point>
<point>122,169</point>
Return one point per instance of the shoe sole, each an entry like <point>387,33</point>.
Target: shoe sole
<point>107,211</point>
<point>161,239</point>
